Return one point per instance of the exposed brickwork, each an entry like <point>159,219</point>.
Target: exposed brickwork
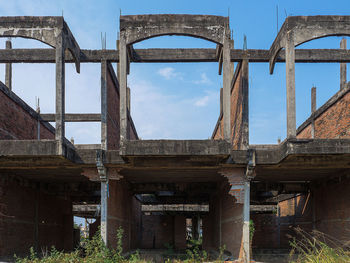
<point>159,230</point>
<point>332,209</point>
<point>236,112</point>
<point>333,123</point>
<point>17,124</point>
<point>122,212</point>
<point>27,215</point>
<point>113,114</point>
<point>180,232</point>
<point>113,132</point>
<point>231,224</point>
<point>274,232</point>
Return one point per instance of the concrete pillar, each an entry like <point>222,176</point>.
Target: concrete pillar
<point>343,81</point>
<point>227,77</point>
<point>123,89</point>
<point>104,210</point>
<point>290,84</point>
<point>246,219</point>
<point>104,104</point>
<point>313,109</point>
<point>60,91</point>
<point>8,68</point>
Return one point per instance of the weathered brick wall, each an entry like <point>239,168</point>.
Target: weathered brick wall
<point>18,122</point>
<point>272,231</point>
<point>113,113</point>
<point>180,232</point>
<point>211,225</point>
<point>158,231</point>
<point>238,98</point>
<point>332,213</point>
<point>231,224</point>
<point>333,123</point>
<point>30,218</point>
<point>123,211</point>
<point>113,132</point>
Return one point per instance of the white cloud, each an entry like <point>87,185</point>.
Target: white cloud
<point>201,102</point>
<point>168,73</point>
<point>160,115</point>
<point>203,80</point>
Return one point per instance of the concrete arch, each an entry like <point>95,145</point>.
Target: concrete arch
<point>44,29</point>
<point>307,28</point>
<point>141,27</point>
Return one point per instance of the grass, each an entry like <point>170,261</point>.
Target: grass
<point>95,251</point>
<point>318,247</point>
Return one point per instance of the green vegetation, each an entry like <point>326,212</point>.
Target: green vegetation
<point>318,248</point>
<point>95,251</point>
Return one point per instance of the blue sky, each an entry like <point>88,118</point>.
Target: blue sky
<point>177,101</point>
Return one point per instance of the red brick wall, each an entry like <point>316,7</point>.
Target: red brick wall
<point>236,112</point>
<point>157,231</point>
<point>161,230</point>
<point>295,212</point>
<point>333,123</point>
<point>332,212</point>
<point>231,224</point>
<point>113,132</point>
<point>23,209</point>
<point>123,211</point>
<point>16,123</point>
<point>210,225</point>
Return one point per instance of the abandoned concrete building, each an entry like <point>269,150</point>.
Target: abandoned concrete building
<point>155,189</point>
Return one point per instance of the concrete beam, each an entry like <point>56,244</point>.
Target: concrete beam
<point>74,117</point>
<point>177,147</point>
<point>306,28</point>
<point>167,55</point>
<point>141,27</point>
<point>45,29</point>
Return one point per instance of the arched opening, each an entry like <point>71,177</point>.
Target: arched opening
<point>175,100</point>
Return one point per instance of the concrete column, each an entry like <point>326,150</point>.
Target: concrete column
<point>246,219</point>
<point>313,109</point>
<point>60,91</point>
<point>343,81</point>
<point>123,89</point>
<point>227,77</point>
<point>8,68</point>
<point>290,84</point>
<point>104,210</point>
<point>104,104</point>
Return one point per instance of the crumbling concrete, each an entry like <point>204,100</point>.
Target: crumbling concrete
<point>225,174</point>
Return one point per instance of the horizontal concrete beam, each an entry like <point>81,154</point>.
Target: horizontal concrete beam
<point>177,148</point>
<point>175,208</point>
<point>174,55</point>
<point>74,117</point>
